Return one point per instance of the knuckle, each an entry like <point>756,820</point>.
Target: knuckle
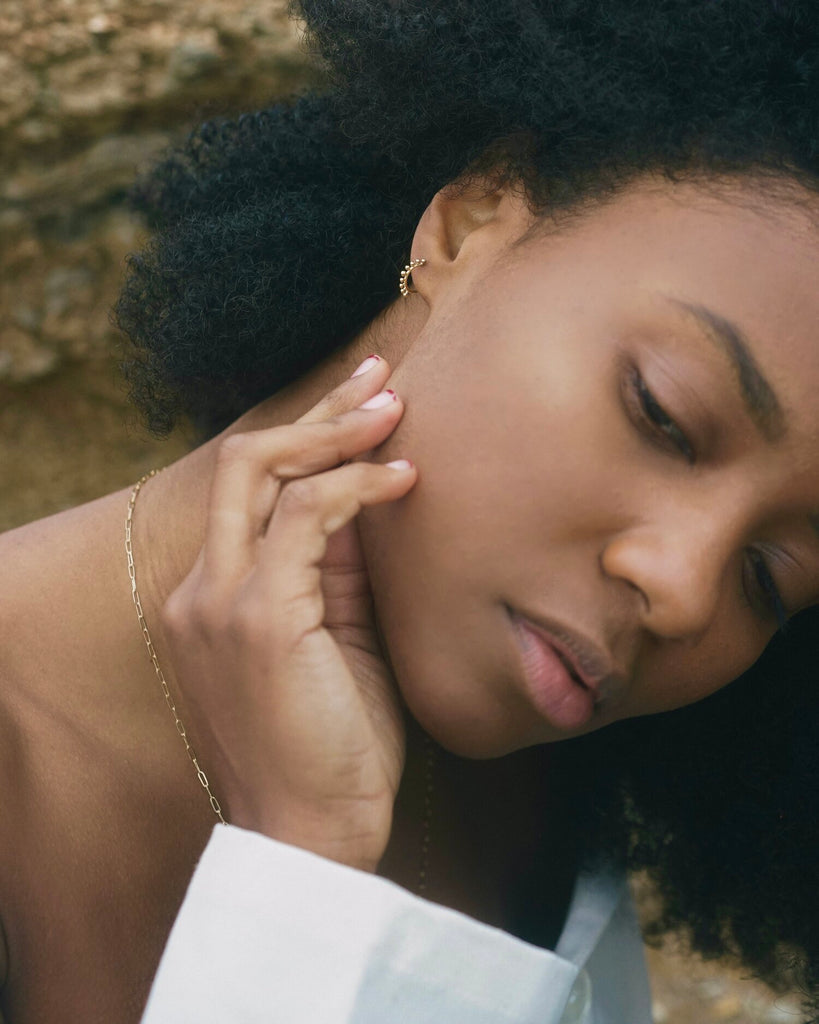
<point>174,613</point>
<point>236,448</point>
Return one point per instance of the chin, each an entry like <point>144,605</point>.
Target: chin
<point>472,711</point>
<point>458,713</point>
<point>453,671</point>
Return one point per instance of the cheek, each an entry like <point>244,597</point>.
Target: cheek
<point>516,375</point>
<point>678,676</point>
<point>511,423</point>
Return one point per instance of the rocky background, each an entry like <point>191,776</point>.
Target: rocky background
<point>89,92</point>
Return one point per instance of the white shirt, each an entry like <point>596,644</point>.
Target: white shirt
<point>270,933</point>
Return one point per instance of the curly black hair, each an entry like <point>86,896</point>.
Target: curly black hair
<point>279,235</point>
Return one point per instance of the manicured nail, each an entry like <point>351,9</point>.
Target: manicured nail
<point>368,364</point>
<point>399,464</point>
<point>380,400</point>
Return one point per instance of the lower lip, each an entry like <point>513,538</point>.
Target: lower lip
<point>556,696</point>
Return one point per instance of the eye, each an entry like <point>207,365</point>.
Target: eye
<point>654,421</point>
<point>763,593</point>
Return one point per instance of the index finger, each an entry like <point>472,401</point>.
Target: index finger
<point>367,380</point>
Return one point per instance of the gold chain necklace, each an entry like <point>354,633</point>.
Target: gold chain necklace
<point>429,747</point>
<point>180,728</point>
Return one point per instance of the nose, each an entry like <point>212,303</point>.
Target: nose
<point>677,571</point>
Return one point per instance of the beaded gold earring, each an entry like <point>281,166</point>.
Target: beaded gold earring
<point>403,282</point>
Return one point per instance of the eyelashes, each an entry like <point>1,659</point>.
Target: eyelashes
<point>774,604</point>
<point>662,428</point>
<point>664,432</point>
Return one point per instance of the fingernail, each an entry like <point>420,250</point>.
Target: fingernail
<point>399,464</point>
<point>368,364</point>
<point>380,400</point>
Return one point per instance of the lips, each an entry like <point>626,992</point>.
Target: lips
<point>569,665</point>
<point>565,674</point>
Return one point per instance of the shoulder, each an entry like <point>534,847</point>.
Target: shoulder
<point>42,604</point>
<point>14,798</point>
<point>28,609</point>
<point>38,615</point>
<point>52,570</point>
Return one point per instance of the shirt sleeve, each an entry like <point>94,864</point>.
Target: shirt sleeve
<point>602,936</point>
<point>271,933</point>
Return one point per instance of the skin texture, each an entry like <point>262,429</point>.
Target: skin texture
<point>537,486</point>
<point>556,493</point>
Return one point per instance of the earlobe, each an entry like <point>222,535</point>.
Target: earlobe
<point>403,281</point>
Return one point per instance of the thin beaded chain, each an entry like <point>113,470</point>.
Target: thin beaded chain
<point>180,728</point>
<point>429,746</point>
<point>426,820</point>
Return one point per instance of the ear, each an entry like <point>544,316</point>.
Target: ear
<point>464,227</point>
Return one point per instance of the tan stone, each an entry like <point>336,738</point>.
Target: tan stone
<point>66,39</point>
<point>10,26</point>
<point>20,257</point>
<point>92,85</point>
<point>22,358</point>
<point>18,90</point>
<point>727,1007</point>
<point>109,166</point>
<point>104,24</point>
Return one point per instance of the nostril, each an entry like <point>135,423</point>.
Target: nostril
<point>614,567</point>
<point>641,593</point>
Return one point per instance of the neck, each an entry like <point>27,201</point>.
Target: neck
<point>475,807</point>
<point>494,841</point>
<point>170,524</point>
<point>171,515</point>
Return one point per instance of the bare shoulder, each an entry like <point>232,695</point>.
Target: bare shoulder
<point>52,570</point>
<point>10,758</point>
<point>13,759</point>
<point>82,770</point>
<point>26,605</point>
<point>46,603</point>
<point>24,585</point>
<point>54,596</point>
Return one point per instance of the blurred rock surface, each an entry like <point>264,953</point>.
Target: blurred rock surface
<point>89,93</point>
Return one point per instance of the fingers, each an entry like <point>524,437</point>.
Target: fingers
<point>307,512</point>
<point>354,418</point>
<point>367,380</point>
<point>293,712</point>
<point>313,446</point>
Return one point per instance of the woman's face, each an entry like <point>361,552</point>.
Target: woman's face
<point>617,435</point>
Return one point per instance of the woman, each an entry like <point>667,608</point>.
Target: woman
<point>606,379</point>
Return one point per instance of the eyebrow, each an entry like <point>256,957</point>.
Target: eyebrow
<point>755,390</point>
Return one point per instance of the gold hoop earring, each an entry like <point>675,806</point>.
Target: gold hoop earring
<point>403,286</point>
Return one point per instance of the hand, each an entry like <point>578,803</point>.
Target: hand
<point>272,640</point>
